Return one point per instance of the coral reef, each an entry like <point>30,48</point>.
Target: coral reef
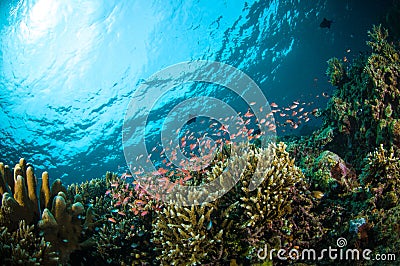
<point>336,72</point>
<point>60,219</point>
<point>364,109</point>
<point>271,199</point>
<point>332,175</point>
<point>340,181</point>
<point>381,175</point>
<point>186,235</point>
<point>22,247</point>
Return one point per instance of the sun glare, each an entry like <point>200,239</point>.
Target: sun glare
<point>40,21</point>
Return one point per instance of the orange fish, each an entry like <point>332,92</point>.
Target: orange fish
<point>248,114</point>
<point>274,105</point>
<point>112,220</point>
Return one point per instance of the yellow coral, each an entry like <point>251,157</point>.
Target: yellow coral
<point>271,199</point>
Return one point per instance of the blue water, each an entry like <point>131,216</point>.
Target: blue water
<point>68,69</point>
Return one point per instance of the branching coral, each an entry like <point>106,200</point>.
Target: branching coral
<point>189,235</point>
<point>22,247</point>
<point>271,199</point>
<point>381,175</point>
<point>336,71</point>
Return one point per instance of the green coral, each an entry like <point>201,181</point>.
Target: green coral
<point>365,104</point>
<point>336,71</point>
<point>322,178</point>
<point>381,175</point>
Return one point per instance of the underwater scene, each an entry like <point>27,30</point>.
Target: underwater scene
<point>200,132</point>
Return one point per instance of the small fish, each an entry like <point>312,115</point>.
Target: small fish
<point>192,119</point>
<point>112,220</point>
<point>317,194</point>
<point>248,114</point>
<point>209,225</point>
<point>274,105</point>
<point>326,23</point>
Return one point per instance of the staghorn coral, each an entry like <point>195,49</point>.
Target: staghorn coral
<point>266,208</point>
<point>22,247</point>
<point>89,189</point>
<point>186,235</point>
<point>271,199</point>
<point>209,232</point>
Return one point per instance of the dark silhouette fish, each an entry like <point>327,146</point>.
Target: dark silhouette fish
<point>191,120</point>
<point>326,23</point>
